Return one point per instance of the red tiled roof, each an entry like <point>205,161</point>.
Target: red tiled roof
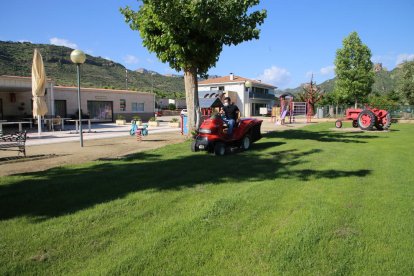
<point>236,79</point>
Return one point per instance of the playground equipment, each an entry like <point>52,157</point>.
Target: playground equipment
<point>138,130</point>
<point>367,118</point>
<point>291,109</point>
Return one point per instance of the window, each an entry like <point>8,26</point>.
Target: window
<point>137,107</point>
<point>122,105</point>
<point>213,88</point>
<point>221,88</point>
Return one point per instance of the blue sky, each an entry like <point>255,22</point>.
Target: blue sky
<point>297,39</point>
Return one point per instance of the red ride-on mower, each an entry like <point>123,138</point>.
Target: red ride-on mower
<point>366,119</point>
<point>212,135</point>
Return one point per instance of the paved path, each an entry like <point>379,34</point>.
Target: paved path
<point>60,148</point>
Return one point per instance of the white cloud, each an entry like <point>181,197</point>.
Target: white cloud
<point>276,76</point>
<point>130,59</point>
<point>63,42</point>
<point>404,57</point>
<point>328,70</point>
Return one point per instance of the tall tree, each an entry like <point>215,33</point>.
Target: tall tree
<point>190,35</point>
<point>354,69</point>
<point>405,86</point>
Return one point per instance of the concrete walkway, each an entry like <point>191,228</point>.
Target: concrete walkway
<point>99,131</point>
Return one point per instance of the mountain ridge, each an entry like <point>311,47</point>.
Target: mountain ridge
<point>16,60</point>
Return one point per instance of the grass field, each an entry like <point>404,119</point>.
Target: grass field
<point>304,201</point>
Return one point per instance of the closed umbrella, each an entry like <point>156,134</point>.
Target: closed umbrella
<point>38,88</point>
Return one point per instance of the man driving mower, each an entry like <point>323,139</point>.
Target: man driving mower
<point>231,115</point>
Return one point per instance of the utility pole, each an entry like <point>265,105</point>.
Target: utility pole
<point>126,79</point>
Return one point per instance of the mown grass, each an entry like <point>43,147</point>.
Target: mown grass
<point>304,201</point>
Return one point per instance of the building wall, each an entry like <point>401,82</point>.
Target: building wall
<point>234,90</point>
<point>239,90</point>
<point>88,94</point>
<point>179,103</point>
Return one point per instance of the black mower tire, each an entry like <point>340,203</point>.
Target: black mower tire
<point>372,119</point>
<point>338,124</point>
<point>246,142</point>
<point>194,147</point>
<point>355,124</point>
<point>219,149</point>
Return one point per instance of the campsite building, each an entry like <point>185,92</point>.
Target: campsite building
<point>248,99</point>
<point>99,104</point>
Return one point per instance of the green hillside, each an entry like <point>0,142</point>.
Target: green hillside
<point>385,82</point>
<point>16,59</point>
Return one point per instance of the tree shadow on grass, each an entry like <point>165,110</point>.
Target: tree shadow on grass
<point>66,190</point>
<point>322,136</point>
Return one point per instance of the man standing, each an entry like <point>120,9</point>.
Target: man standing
<point>232,114</point>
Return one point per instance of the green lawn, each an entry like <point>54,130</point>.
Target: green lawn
<point>304,201</point>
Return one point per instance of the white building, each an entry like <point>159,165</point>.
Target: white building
<point>248,99</point>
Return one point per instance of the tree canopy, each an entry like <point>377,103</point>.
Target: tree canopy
<point>354,70</point>
<point>190,35</point>
<point>405,86</point>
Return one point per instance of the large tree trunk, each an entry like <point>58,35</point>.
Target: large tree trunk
<point>191,95</point>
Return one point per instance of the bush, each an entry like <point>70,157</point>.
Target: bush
<point>136,118</point>
<point>152,119</point>
<point>120,117</point>
<point>172,106</point>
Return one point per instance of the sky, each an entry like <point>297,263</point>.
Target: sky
<point>298,38</point>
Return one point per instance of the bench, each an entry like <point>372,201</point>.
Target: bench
<point>15,142</point>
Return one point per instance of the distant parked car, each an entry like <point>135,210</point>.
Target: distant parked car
<point>183,112</point>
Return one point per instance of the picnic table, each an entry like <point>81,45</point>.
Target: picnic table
<point>82,120</point>
<point>20,123</point>
<point>53,121</point>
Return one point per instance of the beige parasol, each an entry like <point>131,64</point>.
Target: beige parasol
<point>38,87</point>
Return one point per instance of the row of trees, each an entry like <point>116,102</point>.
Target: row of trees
<point>355,77</point>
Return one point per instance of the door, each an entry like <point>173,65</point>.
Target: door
<point>101,110</point>
<point>60,108</point>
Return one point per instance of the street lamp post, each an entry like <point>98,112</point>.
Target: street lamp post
<point>78,57</point>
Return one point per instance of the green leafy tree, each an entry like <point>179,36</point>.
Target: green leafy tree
<point>354,70</point>
<point>405,87</point>
<point>190,35</point>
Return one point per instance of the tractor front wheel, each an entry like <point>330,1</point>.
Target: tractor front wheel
<point>338,123</point>
<point>366,120</point>
<point>194,147</point>
<point>246,142</point>
<point>219,149</point>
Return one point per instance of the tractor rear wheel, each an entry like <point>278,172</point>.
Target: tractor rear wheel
<point>366,120</point>
<point>338,123</point>
<point>219,149</point>
<point>355,123</point>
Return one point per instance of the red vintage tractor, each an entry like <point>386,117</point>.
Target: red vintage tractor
<point>367,119</point>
